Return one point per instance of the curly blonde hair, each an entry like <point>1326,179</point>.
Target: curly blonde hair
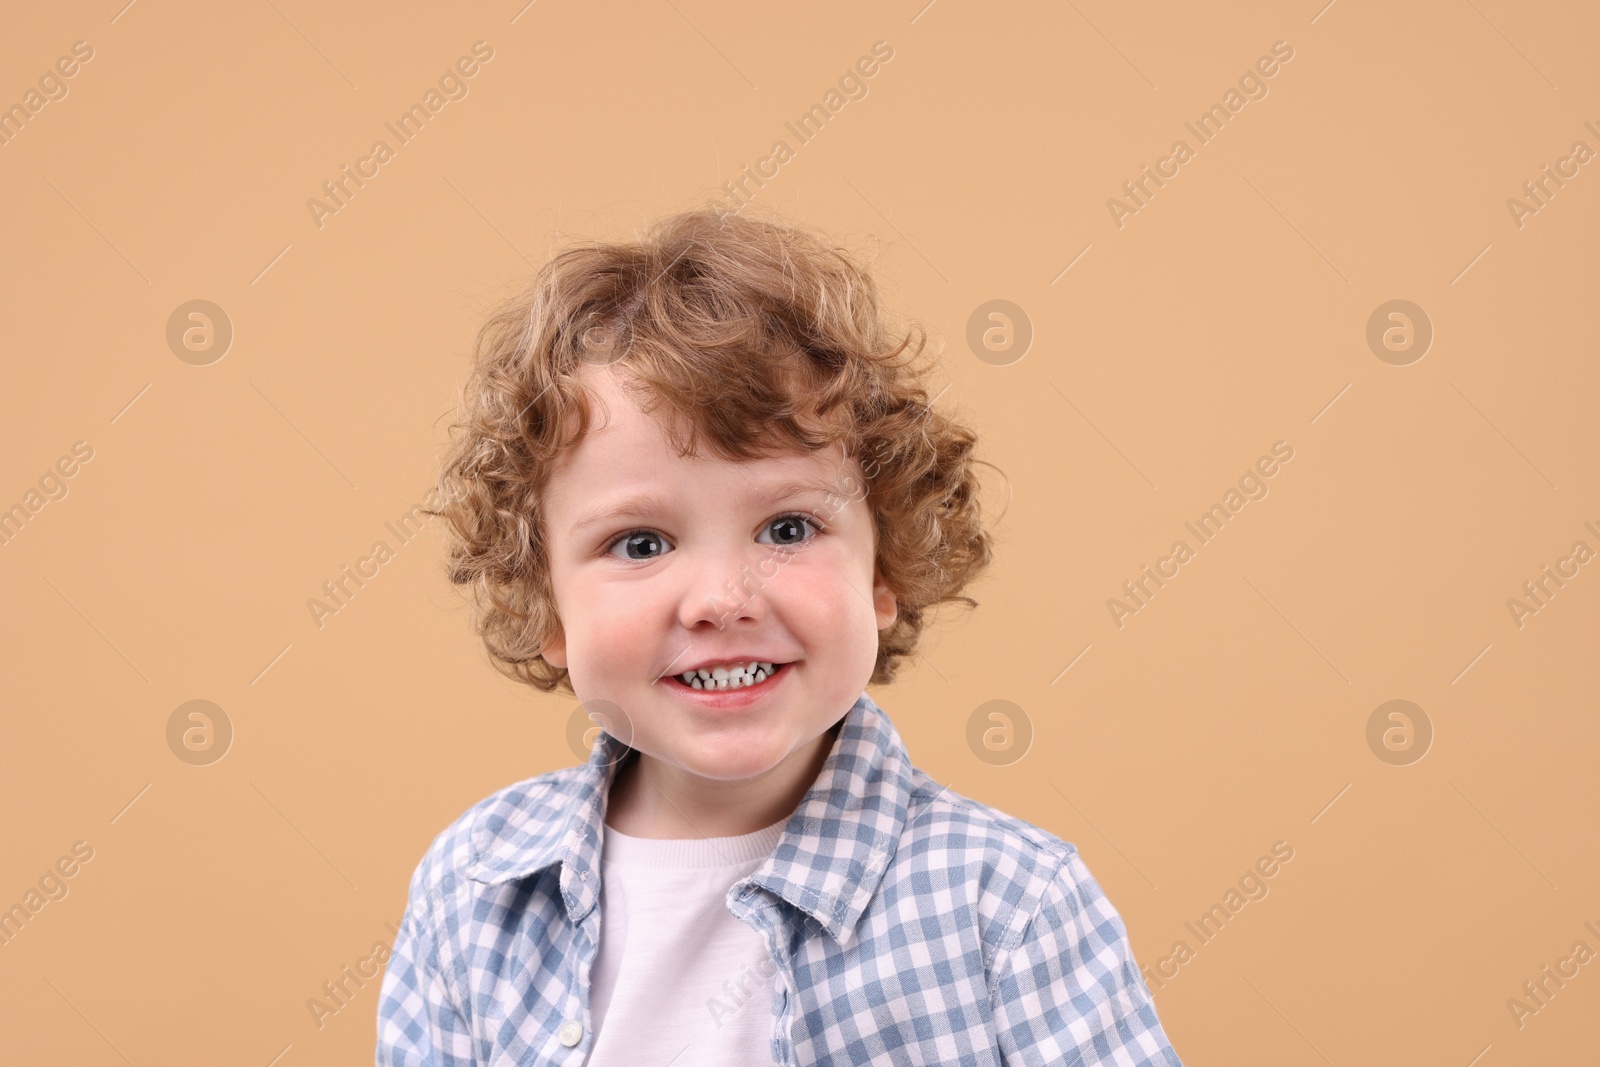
<point>761,338</point>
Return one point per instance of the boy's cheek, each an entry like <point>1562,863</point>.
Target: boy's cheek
<point>623,641</point>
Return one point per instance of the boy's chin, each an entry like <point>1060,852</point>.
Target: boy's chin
<point>738,760</point>
<point>735,762</point>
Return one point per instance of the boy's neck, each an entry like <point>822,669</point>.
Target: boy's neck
<point>655,800</point>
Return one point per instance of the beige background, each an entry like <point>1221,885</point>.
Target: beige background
<point>1227,314</point>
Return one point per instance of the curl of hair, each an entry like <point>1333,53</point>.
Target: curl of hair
<point>754,335</point>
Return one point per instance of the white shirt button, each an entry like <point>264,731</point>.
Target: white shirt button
<point>571,1032</point>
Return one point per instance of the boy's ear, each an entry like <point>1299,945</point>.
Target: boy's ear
<point>884,603</point>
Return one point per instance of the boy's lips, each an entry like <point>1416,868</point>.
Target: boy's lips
<point>726,661</point>
<point>739,697</point>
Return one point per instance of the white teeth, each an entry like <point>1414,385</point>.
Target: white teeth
<point>735,677</point>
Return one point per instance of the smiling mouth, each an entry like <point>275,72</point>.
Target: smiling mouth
<point>730,683</point>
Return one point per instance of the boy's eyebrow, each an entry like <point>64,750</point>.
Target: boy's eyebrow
<point>645,502</point>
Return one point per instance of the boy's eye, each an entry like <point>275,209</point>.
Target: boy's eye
<point>793,527</point>
<point>639,539</point>
<point>636,545</point>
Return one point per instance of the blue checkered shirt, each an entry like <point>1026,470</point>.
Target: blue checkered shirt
<point>908,925</point>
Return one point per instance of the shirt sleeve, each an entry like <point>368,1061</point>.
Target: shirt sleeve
<point>1069,993</point>
<point>419,1021</point>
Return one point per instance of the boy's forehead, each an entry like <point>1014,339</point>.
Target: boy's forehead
<point>628,459</point>
<point>624,443</point>
<point>627,462</point>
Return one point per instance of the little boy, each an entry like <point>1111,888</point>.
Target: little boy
<point>748,869</point>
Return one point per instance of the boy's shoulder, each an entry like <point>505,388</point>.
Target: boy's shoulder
<point>525,814</point>
<point>937,810</point>
<point>1009,864</point>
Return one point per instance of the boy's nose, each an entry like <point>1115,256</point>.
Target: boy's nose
<point>723,593</point>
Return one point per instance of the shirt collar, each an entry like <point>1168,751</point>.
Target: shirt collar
<point>828,862</point>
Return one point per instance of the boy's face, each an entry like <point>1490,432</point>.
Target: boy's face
<point>710,570</point>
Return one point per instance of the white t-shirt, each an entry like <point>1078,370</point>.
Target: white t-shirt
<point>678,979</point>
